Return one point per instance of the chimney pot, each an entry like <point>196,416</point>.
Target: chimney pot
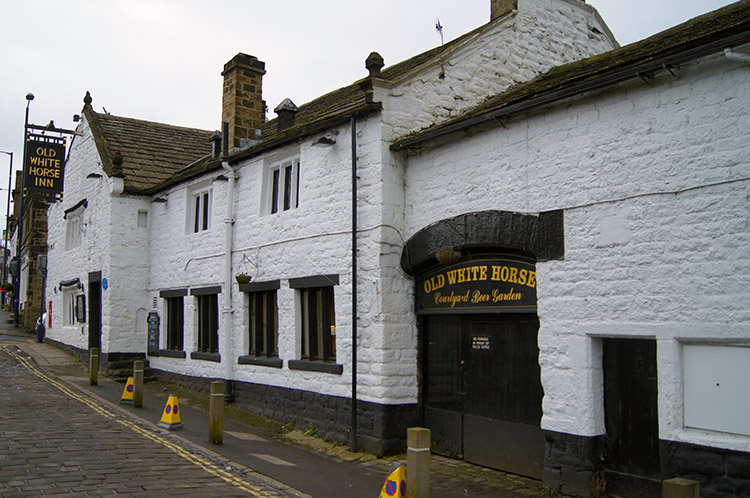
<point>215,144</point>
<point>287,112</point>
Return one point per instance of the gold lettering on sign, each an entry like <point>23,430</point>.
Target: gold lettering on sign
<point>452,299</point>
<point>497,273</point>
<point>511,295</point>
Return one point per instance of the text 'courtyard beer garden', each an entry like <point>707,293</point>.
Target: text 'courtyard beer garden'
<point>480,286</point>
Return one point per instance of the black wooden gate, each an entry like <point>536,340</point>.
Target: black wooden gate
<point>631,417</point>
<point>482,389</point>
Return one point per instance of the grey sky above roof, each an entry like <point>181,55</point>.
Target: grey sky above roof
<point>161,60</point>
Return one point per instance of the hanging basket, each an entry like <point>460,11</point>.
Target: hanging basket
<point>242,278</point>
<point>447,256</point>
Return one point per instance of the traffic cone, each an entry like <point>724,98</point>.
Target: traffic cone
<point>127,393</point>
<point>170,419</point>
<point>395,484</point>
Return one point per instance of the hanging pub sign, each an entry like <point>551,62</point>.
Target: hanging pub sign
<point>479,286</point>
<point>44,169</point>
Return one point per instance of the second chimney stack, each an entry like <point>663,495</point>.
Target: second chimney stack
<point>242,103</point>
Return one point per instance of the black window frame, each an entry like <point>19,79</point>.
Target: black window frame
<point>207,319</point>
<point>263,324</point>
<point>175,307</point>
<point>317,317</point>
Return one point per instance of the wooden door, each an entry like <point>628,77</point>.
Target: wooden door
<point>483,392</point>
<point>631,415</point>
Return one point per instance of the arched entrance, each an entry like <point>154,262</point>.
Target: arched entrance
<point>480,388</point>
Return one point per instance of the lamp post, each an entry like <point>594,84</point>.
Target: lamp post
<point>7,215</point>
<point>17,286</point>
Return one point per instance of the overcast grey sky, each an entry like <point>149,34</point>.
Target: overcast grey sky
<point>161,60</point>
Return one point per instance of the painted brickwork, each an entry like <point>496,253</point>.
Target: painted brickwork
<point>653,182</point>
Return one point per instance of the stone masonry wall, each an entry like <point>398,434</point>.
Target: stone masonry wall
<point>314,239</point>
<point>653,182</point>
<point>111,243</point>
<point>539,35</point>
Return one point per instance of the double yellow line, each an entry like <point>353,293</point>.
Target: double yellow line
<point>198,460</point>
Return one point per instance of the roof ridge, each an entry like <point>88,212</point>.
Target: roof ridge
<point>157,123</point>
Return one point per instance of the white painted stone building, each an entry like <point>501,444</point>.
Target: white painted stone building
<point>597,207</point>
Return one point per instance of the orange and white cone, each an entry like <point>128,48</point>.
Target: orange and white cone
<point>170,419</point>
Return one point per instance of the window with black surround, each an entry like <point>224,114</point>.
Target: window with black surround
<point>174,309</point>
<point>175,323</point>
<point>318,323</point>
<point>207,317</point>
<point>263,324</point>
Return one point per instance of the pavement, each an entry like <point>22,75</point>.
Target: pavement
<point>288,461</point>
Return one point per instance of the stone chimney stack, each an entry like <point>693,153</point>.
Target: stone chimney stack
<point>501,7</point>
<point>242,104</point>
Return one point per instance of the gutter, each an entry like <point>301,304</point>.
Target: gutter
<point>575,89</point>
<point>291,135</point>
<point>730,54</point>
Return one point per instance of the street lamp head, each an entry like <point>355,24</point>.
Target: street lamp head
<point>29,96</point>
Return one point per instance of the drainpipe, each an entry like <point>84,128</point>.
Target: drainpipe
<point>228,311</point>
<point>354,285</point>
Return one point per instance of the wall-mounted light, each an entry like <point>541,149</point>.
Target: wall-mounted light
<point>93,175</point>
<point>324,142</point>
<point>159,199</point>
<point>447,256</point>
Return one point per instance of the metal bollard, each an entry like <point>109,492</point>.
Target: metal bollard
<point>138,384</point>
<point>216,413</point>
<point>418,462</point>
<point>680,488</point>
<point>93,366</point>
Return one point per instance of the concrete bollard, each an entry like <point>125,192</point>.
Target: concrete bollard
<point>418,462</point>
<point>680,488</point>
<point>138,384</point>
<point>216,413</point>
<point>93,366</point>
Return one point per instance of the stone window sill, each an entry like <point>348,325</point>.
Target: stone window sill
<point>260,361</point>
<point>200,355</point>
<point>171,353</point>
<point>316,366</point>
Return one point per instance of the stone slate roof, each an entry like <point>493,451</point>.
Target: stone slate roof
<point>701,36</point>
<point>145,154</point>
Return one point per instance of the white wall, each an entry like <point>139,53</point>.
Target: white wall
<point>541,34</point>
<point>654,184</point>
<point>314,239</point>
<point>111,243</point>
